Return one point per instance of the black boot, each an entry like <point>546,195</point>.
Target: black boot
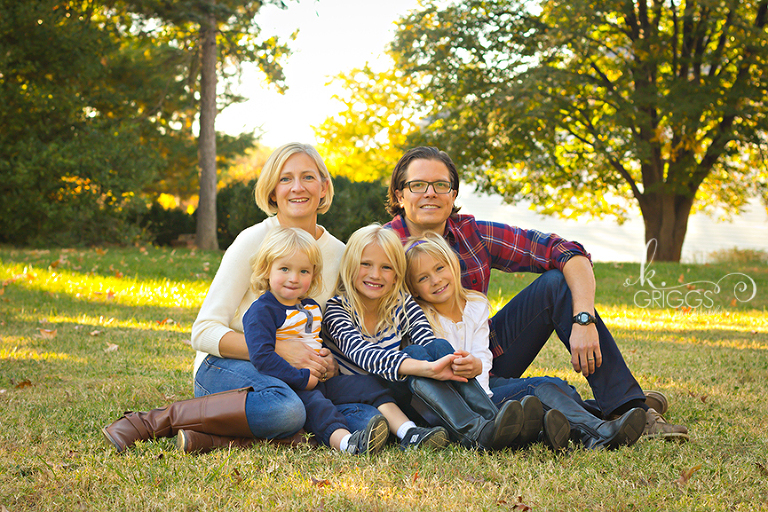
<point>533,417</point>
<point>589,430</point>
<point>464,424</point>
<point>476,398</point>
<point>556,430</point>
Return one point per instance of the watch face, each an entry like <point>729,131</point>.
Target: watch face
<point>583,318</point>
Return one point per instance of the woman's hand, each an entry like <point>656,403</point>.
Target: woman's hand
<point>466,365</point>
<point>332,366</point>
<point>300,356</point>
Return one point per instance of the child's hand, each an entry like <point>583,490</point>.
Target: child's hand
<point>466,365</point>
<point>442,369</point>
<point>312,382</point>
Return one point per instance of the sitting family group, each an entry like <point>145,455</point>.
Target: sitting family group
<point>392,333</point>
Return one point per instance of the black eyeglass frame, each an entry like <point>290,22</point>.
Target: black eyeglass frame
<point>432,183</point>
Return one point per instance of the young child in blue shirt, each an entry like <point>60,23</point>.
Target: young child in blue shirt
<point>286,271</point>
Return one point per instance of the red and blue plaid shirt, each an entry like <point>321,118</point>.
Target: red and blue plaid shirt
<point>483,245</point>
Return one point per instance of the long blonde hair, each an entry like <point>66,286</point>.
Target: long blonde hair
<point>434,245</point>
<point>279,243</point>
<point>350,269</point>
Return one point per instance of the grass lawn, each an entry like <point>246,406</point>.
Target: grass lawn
<point>87,334</point>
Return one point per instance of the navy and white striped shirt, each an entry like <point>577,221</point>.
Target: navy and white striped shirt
<point>380,355</point>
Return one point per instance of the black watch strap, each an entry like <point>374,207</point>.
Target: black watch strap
<point>584,318</point>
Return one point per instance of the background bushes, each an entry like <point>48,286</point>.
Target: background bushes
<point>355,204</point>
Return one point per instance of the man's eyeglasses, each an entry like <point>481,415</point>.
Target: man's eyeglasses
<point>420,187</point>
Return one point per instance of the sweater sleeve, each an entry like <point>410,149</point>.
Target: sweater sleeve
<point>228,289</point>
<point>260,323</point>
<point>368,356</point>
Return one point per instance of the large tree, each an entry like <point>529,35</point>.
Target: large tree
<point>219,35</point>
<point>587,107</point>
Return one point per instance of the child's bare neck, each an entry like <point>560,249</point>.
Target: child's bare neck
<point>451,310</point>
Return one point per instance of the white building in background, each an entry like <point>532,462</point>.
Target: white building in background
<point>608,241</point>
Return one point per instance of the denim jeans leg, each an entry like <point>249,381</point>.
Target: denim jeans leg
<point>357,415</point>
<point>525,323</point>
<point>272,408</point>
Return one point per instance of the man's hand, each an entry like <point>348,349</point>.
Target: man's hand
<point>466,365</point>
<point>585,349</point>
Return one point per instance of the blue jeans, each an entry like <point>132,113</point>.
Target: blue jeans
<point>273,409</point>
<point>524,325</point>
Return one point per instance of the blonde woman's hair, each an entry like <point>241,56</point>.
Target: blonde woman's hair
<point>350,269</point>
<point>279,243</point>
<point>270,175</point>
<point>432,244</point>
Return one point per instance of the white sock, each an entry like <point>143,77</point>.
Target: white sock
<point>404,428</point>
<point>344,444</point>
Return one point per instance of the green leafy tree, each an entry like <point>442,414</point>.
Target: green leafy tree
<point>78,136</point>
<point>213,32</point>
<point>364,140</point>
<point>586,107</point>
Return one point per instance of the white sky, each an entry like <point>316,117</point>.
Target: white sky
<point>334,36</point>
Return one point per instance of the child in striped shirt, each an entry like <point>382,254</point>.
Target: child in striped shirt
<point>286,270</point>
<point>374,327</point>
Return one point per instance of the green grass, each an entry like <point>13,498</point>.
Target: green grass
<point>87,334</point>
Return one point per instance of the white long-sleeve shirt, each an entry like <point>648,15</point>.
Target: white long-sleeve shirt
<point>230,294</point>
<point>472,335</point>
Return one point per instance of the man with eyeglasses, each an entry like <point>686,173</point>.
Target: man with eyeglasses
<point>421,196</point>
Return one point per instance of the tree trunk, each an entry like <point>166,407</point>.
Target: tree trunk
<point>666,222</point>
<point>205,237</point>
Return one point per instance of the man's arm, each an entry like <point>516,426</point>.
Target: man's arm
<point>584,341</point>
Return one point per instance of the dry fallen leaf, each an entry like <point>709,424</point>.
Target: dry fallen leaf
<point>23,384</point>
<point>415,477</point>
<point>763,470</point>
<point>520,505</point>
<point>686,475</point>
<point>111,347</point>
<point>48,334</point>
<point>320,483</point>
<point>681,279</point>
<point>94,333</point>
<point>100,252</point>
<point>236,476</point>
<point>733,302</point>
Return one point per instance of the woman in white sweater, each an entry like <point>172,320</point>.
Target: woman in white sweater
<point>233,398</point>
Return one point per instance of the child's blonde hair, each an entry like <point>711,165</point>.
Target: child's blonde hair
<point>434,245</point>
<point>282,242</point>
<point>350,269</point>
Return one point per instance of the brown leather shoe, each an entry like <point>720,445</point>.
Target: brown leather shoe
<point>656,427</point>
<point>657,401</point>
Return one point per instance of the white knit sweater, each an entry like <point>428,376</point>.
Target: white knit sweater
<point>230,294</point>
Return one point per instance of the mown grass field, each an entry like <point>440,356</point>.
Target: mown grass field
<point>87,334</point>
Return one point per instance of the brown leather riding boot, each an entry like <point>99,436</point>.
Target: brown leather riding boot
<point>189,441</point>
<point>218,414</point>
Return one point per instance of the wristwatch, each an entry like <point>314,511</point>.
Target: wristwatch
<point>584,318</point>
